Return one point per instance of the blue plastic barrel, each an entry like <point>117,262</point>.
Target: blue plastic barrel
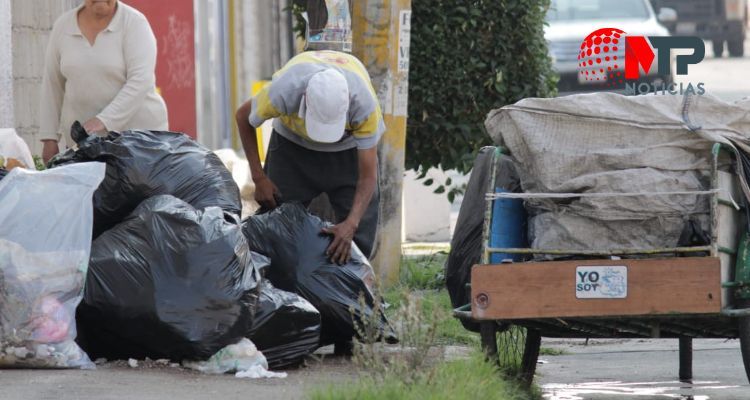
<point>508,227</point>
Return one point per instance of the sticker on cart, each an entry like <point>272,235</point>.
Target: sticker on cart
<point>601,282</point>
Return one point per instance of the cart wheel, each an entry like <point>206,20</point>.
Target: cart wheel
<point>745,343</point>
<point>718,47</point>
<point>530,356</point>
<point>518,351</point>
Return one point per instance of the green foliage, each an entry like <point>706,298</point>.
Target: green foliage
<point>39,164</point>
<point>422,279</point>
<point>469,379</point>
<point>467,58</point>
<point>297,7</point>
<point>423,272</point>
<point>550,351</point>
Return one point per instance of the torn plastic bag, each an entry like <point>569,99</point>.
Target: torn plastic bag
<point>45,240</point>
<point>286,327</point>
<point>291,237</point>
<point>169,282</point>
<point>466,245</point>
<point>143,164</point>
<point>236,357</point>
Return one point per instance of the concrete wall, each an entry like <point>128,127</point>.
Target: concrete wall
<point>6,64</point>
<point>426,215</point>
<point>430,217</point>
<point>32,22</point>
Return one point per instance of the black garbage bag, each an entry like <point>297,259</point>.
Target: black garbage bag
<point>169,282</point>
<point>291,237</point>
<point>285,327</point>
<point>143,164</point>
<point>3,172</point>
<point>466,244</point>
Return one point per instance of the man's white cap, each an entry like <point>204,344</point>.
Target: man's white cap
<point>325,105</point>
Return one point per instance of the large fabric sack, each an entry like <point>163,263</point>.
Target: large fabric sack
<point>609,143</point>
<point>169,282</point>
<point>467,246</point>
<point>285,327</point>
<point>143,164</point>
<point>291,237</point>
<point>45,240</point>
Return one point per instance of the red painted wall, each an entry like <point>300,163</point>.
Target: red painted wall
<point>173,24</point>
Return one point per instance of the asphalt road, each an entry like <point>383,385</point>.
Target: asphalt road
<point>151,381</point>
<point>641,370</point>
<point>726,78</point>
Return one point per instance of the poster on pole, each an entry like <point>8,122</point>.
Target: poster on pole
<point>329,27</point>
<point>404,38</point>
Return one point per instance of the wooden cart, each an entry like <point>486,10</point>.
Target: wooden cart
<point>682,293</point>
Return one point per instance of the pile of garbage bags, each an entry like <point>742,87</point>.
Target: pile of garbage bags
<point>171,272</point>
<point>143,164</point>
<point>170,282</point>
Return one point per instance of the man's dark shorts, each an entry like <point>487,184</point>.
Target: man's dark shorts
<point>302,174</point>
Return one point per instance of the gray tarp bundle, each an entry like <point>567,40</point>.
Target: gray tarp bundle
<point>609,143</point>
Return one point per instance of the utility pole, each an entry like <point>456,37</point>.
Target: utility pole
<point>381,30</point>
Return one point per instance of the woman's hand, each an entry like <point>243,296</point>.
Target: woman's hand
<point>49,150</point>
<point>94,125</point>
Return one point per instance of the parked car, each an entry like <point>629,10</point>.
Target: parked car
<point>571,21</point>
<point>716,20</point>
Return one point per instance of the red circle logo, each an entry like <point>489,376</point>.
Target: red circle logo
<point>600,58</point>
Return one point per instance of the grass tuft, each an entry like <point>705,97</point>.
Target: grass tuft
<point>420,311</point>
<point>468,379</point>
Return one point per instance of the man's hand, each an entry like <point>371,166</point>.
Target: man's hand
<point>94,125</point>
<point>340,249</point>
<point>266,192</point>
<point>49,150</point>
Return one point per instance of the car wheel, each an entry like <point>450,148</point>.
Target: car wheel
<point>718,45</point>
<point>737,46</point>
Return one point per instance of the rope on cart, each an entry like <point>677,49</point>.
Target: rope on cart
<point>507,195</point>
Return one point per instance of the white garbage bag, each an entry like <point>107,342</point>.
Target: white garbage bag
<point>46,220</point>
<point>13,147</point>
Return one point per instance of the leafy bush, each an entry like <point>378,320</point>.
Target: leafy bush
<point>467,58</point>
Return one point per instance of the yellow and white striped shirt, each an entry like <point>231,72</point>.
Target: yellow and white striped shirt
<point>281,100</point>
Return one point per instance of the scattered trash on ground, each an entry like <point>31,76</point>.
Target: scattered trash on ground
<point>256,372</point>
<point>243,358</point>
<point>234,357</point>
